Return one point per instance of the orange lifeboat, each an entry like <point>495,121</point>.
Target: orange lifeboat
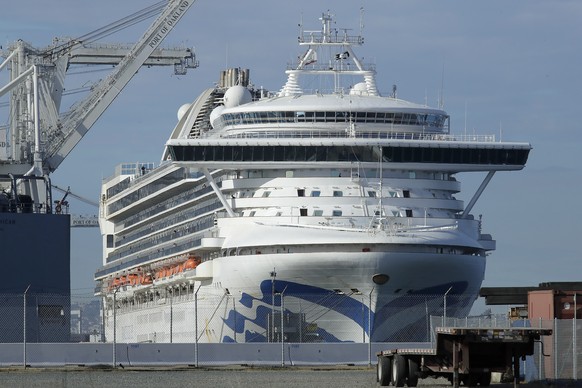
<point>146,279</point>
<point>114,284</point>
<point>132,279</point>
<point>191,263</point>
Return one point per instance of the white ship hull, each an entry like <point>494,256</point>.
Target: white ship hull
<point>320,285</point>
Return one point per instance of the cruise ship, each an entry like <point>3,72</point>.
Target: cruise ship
<point>323,203</point>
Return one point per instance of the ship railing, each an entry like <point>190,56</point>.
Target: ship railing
<point>361,135</point>
<point>392,224</point>
<point>371,67</point>
<point>319,37</point>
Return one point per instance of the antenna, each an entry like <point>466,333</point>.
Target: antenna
<point>442,96</point>
<point>465,118</point>
<point>361,20</point>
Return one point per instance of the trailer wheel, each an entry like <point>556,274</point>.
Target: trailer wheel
<point>384,370</point>
<point>399,369</point>
<point>413,370</point>
<point>471,380</point>
<point>485,379</point>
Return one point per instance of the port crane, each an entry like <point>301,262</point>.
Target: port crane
<point>77,221</point>
<point>38,136</point>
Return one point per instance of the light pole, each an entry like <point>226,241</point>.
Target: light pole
<point>24,324</point>
<point>370,326</point>
<point>273,276</point>
<point>170,291</point>
<point>282,331</point>
<point>445,306</point>
<point>196,324</point>
<point>115,326</point>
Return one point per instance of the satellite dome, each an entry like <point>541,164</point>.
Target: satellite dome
<point>182,111</point>
<point>359,89</point>
<point>216,112</point>
<point>236,95</point>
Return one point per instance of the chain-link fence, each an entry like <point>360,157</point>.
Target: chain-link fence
<point>184,315</point>
<point>182,327</point>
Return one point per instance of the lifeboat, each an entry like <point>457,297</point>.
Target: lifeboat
<point>191,263</point>
<point>114,284</point>
<point>146,280</point>
<point>132,279</point>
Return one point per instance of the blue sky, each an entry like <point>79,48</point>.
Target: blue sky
<point>510,69</point>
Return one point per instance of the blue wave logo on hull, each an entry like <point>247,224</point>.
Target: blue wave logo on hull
<point>396,318</point>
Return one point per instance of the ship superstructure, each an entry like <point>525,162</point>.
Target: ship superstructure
<point>334,190</point>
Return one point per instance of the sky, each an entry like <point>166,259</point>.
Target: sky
<point>506,68</point>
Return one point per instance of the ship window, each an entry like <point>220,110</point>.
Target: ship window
<point>318,213</point>
<point>336,213</point>
<point>338,193</point>
<point>252,214</point>
<point>315,193</point>
<point>266,194</point>
<point>406,193</point>
<point>248,154</point>
<point>301,192</point>
<point>109,241</point>
<point>278,214</point>
<point>408,213</point>
<point>372,194</point>
<point>303,212</point>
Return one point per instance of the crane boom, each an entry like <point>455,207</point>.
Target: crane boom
<point>41,137</point>
<point>76,124</point>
